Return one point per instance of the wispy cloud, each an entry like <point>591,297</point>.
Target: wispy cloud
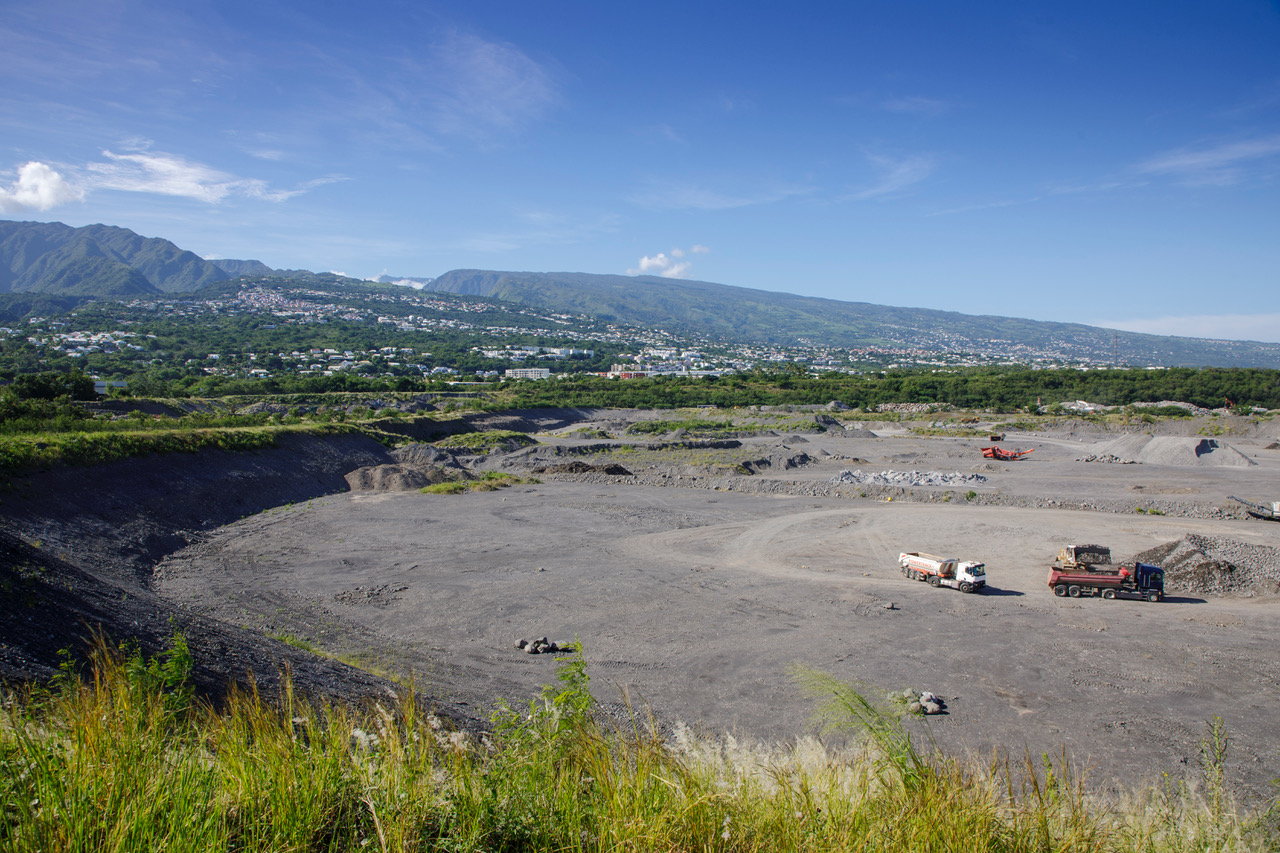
<point>896,175</point>
<point>38,187</point>
<point>471,87</point>
<point>1216,165</point>
<point>669,265</point>
<point>1232,327</point>
<point>169,174</point>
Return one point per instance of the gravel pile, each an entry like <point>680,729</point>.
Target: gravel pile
<point>906,478</point>
<point>1215,564</point>
<point>1169,450</point>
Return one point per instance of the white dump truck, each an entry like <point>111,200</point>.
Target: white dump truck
<point>964,575</point>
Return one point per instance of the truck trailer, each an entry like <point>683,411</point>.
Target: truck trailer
<point>1141,580</point>
<point>964,575</point>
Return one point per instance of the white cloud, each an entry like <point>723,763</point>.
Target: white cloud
<point>169,174</point>
<point>670,265</point>
<point>38,187</point>
<point>896,175</point>
<point>1231,327</point>
<point>1219,165</point>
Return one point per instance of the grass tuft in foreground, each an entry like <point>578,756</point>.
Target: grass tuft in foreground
<point>127,759</point>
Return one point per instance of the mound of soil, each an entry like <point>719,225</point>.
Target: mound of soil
<point>397,478</point>
<point>1214,564</point>
<point>1172,450</point>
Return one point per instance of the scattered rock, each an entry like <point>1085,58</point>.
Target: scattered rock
<point>906,478</point>
<point>542,646</point>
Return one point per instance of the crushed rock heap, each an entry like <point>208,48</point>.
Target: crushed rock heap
<point>1215,564</point>
<point>906,478</point>
<point>1168,450</point>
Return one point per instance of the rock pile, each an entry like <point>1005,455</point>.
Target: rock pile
<point>577,466</point>
<point>918,701</point>
<point>1170,450</point>
<point>542,646</point>
<point>906,478</point>
<point>396,478</point>
<point>1106,457</point>
<point>1216,564</point>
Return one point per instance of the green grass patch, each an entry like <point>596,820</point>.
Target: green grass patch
<point>693,426</point>
<point>487,440</point>
<point>40,450</point>
<point>490,482</point>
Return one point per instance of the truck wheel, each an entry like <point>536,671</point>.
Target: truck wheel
<point>1073,591</point>
<point>1108,593</point>
<point>934,580</point>
<point>1060,590</point>
<point>1153,596</point>
<point>966,587</point>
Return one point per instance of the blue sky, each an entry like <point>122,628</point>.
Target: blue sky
<point>1108,163</point>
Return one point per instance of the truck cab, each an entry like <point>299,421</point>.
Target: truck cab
<point>1148,581</point>
<point>970,576</point>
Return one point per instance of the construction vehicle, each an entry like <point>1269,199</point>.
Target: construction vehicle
<point>1142,580</point>
<point>1266,513</point>
<point>1083,557</point>
<point>964,575</point>
<point>1000,453</point>
<point>1086,570</point>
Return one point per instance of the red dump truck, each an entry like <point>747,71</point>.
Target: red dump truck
<point>1086,570</point>
<point>964,575</point>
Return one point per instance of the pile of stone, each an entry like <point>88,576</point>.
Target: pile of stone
<point>542,646</point>
<point>920,702</point>
<point>1170,450</point>
<point>906,478</point>
<point>577,466</point>
<point>1217,565</point>
<point>1110,458</point>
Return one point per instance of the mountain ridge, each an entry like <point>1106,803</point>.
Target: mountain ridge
<point>775,318</point>
<point>110,262</point>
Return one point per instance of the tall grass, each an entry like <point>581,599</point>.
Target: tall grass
<point>127,760</point>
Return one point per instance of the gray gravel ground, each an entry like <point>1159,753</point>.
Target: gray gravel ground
<point>696,593</point>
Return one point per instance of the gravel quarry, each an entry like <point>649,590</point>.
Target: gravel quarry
<point>697,578</point>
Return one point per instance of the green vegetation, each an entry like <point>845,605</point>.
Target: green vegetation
<point>490,482</point>
<point>44,418</point>
<point>692,426</point>
<point>992,389</point>
<point>38,450</point>
<point>128,760</point>
<point>484,442</point>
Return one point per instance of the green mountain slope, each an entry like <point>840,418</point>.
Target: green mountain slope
<point>782,319</point>
<point>238,268</point>
<point>53,257</point>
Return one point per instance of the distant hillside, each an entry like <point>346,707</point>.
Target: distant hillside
<point>96,260</point>
<point>238,268</point>
<point>781,319</point>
